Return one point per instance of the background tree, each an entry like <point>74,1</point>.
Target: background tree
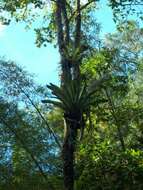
<point>29,151</point>
<point>66,22</point>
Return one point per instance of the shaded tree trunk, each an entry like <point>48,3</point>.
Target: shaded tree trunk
<point>68,153</point>
<point>69,72</point>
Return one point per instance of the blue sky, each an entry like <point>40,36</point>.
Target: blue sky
<point>18,45</point>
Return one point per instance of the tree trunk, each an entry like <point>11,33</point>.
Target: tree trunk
<point>68,154</point>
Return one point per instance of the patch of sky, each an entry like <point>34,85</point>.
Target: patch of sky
<point>19,45</point>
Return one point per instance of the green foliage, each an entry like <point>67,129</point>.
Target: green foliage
<point>105,168</point>
<point>125,9</point>
<point>72,96</point>
<point>28,157</point>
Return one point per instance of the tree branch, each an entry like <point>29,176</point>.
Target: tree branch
<point>58,16</point>
<point>66,21</point>
<point>42,117</point>
<point>133,4</point>
<point>78,25</point>
<point>39,112</point>
<point>81,8</point>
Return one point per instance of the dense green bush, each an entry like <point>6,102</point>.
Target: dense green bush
<point>112,171</point>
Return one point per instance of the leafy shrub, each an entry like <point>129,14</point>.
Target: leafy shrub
<point>110,170</point>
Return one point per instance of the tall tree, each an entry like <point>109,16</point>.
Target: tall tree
<point>67,23</point>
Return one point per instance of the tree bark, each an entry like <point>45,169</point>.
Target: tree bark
<point>63,42</point>
<point>72,122</point>
<point>76,66</point>
<point>66,22</point>
<point>68,153</point>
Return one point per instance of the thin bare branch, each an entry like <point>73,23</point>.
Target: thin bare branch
<point>42,117</point>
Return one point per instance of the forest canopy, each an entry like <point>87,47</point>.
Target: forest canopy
<point>87,132</point>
